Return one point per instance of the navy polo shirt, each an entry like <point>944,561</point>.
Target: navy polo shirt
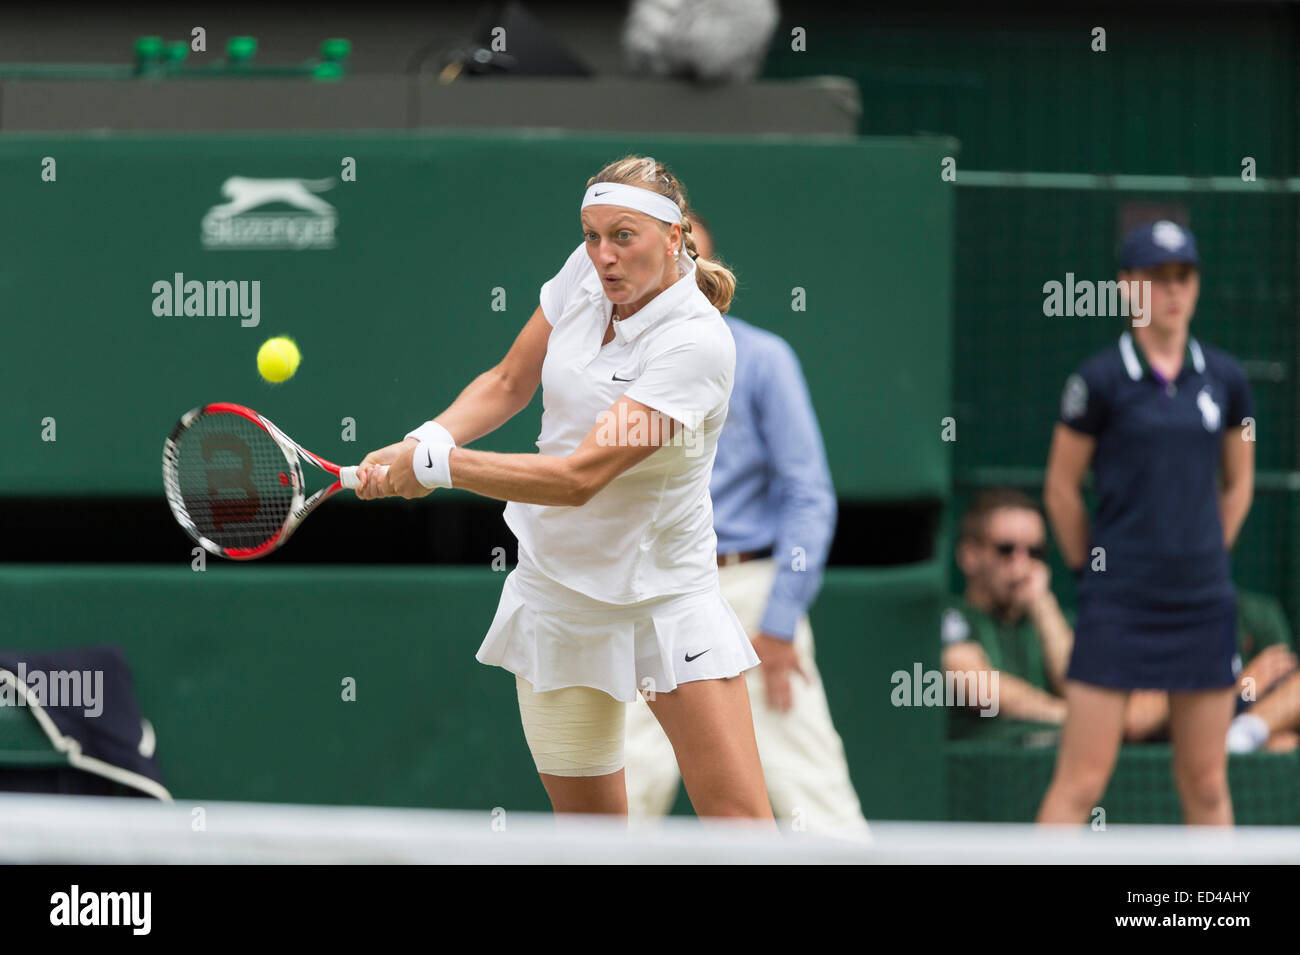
<point>1155,469</point>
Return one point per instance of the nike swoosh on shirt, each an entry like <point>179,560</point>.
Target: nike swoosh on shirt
<point>617,378</point>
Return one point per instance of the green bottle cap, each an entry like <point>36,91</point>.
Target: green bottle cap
<point>176,51</point>
<point>327,71</point>
<point>241,48</point>
<point>148,47</point>
<point>336,49</point>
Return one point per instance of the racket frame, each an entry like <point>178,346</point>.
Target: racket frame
<point>300,505</point>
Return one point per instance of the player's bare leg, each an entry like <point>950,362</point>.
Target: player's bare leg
<point>1085,758</point>
<point>587,794</point>
<point>711,728</point>
<point>1198,723</point>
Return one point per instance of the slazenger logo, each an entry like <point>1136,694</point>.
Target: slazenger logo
<point>232,225</point>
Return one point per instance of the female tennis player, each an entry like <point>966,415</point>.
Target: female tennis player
<point>616,589</point>
<point>1167,426</point>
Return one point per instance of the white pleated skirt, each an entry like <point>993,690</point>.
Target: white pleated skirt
<point>555,637</point>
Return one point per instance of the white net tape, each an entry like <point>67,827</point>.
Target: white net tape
<point>76,829</point>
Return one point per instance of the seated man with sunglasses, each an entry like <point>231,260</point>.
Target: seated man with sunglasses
<point>1008,620</point>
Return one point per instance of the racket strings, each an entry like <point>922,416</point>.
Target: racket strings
<point>233,480</point>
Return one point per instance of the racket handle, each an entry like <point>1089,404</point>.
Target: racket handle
<point>348,476</point>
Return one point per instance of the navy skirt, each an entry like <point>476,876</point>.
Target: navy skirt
<point>1127,648</point>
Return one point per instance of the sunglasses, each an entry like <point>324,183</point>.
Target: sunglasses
<point>1006,548</point>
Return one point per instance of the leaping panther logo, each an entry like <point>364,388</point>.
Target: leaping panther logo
<point>245,194</point>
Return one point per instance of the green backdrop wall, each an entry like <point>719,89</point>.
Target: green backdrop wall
<point>398,314</point>
<point>240,669</point>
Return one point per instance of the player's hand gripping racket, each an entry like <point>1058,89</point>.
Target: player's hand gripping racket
<point>234,480</point>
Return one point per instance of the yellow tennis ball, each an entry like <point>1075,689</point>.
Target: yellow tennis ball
<point>278,359</point>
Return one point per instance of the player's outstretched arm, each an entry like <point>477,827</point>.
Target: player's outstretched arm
<point>625,434</point>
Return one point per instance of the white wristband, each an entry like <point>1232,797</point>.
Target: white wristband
<point>432,432</point>
<point>432,464</point>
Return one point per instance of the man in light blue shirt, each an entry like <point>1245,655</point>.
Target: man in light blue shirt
<point>774,514</point>
<point>771,464</point>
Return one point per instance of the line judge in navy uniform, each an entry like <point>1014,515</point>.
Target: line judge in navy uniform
<point>1167,425</point>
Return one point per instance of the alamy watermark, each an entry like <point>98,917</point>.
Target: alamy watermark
<point>633,428</point>
<point>64,688</point>
<point>1084,298</point>
<point>211,299</point>
<point>131,910</point>
<point>923,687</point>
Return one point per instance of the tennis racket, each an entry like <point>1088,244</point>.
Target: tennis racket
<point>234,480</point>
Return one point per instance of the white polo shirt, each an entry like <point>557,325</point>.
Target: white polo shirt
<point>649,532</point>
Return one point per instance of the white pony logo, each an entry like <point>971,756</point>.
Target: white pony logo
<point>1168,235</point>
<point>1209,410</point>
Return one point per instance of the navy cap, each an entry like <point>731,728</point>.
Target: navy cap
<point>1156,244</point>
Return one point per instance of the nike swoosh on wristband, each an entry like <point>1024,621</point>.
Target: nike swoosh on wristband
<point>429,452</point>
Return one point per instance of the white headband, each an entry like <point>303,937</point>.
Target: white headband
<point>634,197</point>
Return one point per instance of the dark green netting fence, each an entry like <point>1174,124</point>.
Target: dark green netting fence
<point>1000,781</point>
<point>1015,232</point>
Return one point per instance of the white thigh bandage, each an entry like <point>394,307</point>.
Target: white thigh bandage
<point>575,731</point>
